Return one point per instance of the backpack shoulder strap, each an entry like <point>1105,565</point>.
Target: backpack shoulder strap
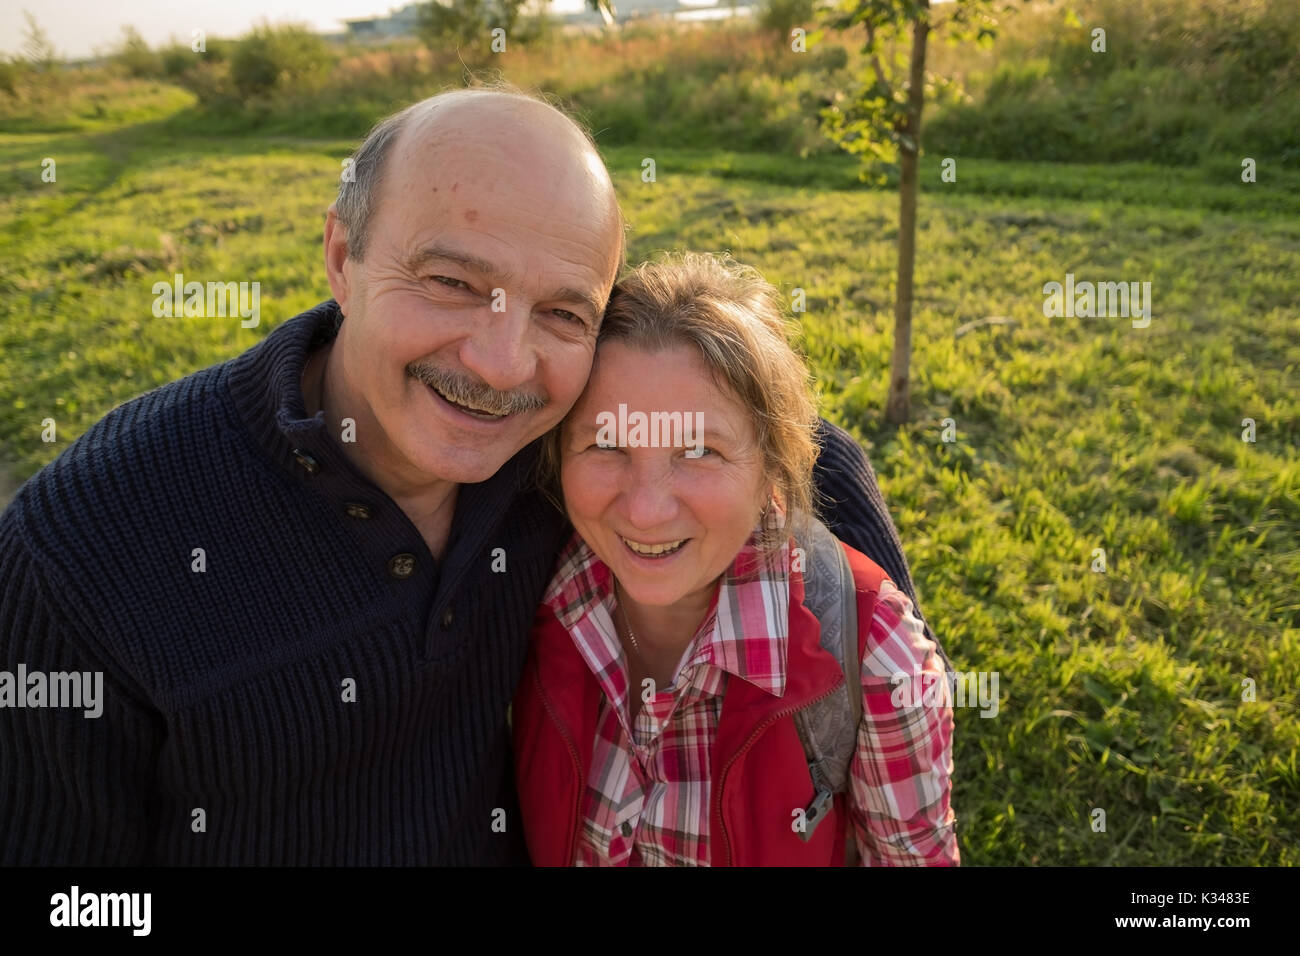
<point>828,728</point>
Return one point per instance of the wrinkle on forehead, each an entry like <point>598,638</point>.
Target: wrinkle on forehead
<point>524,131</point>
<point>522,154</point>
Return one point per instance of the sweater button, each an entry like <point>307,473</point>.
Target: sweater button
<point>401,566</point>
<point>306,461</point>
<point>355,510</point>
<point>447,617</point>
<point>626,828</point>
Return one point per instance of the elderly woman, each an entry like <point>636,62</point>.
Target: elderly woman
<point>674,654</point>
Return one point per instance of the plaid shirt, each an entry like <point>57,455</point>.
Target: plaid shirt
<point>647,799</point>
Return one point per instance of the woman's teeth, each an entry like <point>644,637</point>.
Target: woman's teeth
<point>654,550</point>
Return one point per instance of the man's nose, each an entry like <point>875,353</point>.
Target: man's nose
<point>500,349</point>
<point>650,499</point>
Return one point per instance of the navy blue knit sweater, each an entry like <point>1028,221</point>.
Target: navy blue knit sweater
<point>289,677</point>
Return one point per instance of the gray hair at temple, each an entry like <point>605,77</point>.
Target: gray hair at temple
<point>359,193</point>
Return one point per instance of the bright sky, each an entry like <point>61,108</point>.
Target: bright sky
<point>78,27</point>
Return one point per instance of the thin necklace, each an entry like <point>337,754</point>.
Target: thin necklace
<point>627,622</point>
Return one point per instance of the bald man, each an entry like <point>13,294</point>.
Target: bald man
<point>298,585</point>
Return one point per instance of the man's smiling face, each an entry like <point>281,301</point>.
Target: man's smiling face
<point>471,320</point>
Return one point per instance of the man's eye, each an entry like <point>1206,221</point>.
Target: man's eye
<point>450,282</point>
<point>568,316</point>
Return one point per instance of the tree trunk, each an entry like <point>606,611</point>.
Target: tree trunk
<point>899,408</point>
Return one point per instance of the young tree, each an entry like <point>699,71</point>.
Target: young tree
<point>606,9</point>
<point>38,51</point>
<point>880,120</point>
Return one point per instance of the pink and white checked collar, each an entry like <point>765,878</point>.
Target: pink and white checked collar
<point>744,633</point>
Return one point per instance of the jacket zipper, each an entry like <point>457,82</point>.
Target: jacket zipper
<point>717,795</point>
<point>577,765</point>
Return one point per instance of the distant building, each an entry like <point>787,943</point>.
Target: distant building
<point>629,10</point>
<point>398,23</point>
<point>404,21</point>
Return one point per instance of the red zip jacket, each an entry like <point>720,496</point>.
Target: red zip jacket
<point>757,755</point>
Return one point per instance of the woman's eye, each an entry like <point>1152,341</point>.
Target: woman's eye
<point>698,452</point>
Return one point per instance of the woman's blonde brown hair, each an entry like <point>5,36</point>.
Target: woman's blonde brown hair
<point>733,317</point>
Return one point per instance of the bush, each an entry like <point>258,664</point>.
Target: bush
<point>781,16</point>
<point>1179,83</point>
<point>11,73</point>
<point>278,58</point>
<point>134,56</point>
<point>467,25</point>
<point>177,60</point>
<point>829,58</point>
<point>539,29</point>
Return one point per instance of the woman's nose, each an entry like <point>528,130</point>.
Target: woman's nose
<point>650,499</point>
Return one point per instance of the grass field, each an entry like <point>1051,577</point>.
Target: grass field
<point>1121,690</point>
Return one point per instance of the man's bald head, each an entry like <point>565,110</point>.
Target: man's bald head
<point>440,120</point>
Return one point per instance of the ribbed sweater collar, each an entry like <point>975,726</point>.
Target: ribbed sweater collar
<point>266,387</point>
<point>266,381</point>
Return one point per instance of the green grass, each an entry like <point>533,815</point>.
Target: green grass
<point>1120,690</point>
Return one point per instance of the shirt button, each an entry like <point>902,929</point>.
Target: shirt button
<point>447,617</point>
<point>401,566</point>
<point>306,461</point>
<point>355,510</point>
<point>626,828</point>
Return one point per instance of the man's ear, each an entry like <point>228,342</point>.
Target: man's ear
<point>336,257</point>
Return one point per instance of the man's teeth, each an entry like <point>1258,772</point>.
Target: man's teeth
<point>468,407</point>
<point>652,549</point>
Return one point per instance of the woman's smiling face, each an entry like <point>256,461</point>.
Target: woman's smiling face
<point>624,500</point>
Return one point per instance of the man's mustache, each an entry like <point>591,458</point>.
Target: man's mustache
<point>465,389</point>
